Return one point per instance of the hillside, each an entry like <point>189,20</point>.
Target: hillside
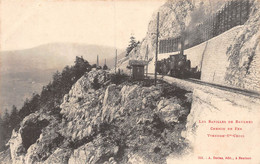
<point>53,56</point>
<point>24,72</point>
<point>114,123</point>
<point>108,118</point>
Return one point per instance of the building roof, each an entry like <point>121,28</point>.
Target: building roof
<point>138,62</point>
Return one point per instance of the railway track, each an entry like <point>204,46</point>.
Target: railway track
<point>226,88</point>
<point>218,86</point>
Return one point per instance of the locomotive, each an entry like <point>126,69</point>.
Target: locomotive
<point>177,66</point>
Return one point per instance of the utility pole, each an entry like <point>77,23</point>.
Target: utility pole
<point>97,62</point>
<point>116,61</point>
<point>146,59</point>
<point>156,51</point>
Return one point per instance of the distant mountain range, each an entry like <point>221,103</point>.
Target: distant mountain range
<point>24,72</point>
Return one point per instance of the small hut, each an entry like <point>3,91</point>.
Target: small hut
<point>138,68</point>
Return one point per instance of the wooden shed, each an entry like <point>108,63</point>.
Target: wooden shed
<point>138,68</point>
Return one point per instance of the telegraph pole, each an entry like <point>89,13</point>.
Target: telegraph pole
<point>146,58</point>
<point>156,51</point>
<point>116,61</point>
<point>97,62</point>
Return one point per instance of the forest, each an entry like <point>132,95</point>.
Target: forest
<point>48,100</point>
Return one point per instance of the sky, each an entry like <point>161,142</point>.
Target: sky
<point>30,23</point>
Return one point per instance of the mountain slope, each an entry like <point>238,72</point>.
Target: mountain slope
<point>53,56</point>
<point>24,72</point>
<point>122,123</point>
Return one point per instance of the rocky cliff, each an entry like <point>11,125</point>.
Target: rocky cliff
<point>175,16</point>
<point>244,56</point>
<point>126,123</point>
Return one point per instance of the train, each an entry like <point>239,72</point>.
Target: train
<point>177,66</point>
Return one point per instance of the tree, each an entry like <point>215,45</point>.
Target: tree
<point>5,130</point>
<point>1,134</point>
<point>14,111</point>
<point>6,117</point>
<point>132,45</point>
<point>80,62</point>
<point>81,66</point>
<point>56,76</point>
<point>14,117</point>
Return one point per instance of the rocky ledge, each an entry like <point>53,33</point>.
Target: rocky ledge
<point>101,122</point>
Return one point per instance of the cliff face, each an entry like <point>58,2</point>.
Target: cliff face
<point>175,16</point>
<point>244,54</point>
<point>126,123</point>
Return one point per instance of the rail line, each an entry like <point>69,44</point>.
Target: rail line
<point>226,88</point>
<point>218,86</point>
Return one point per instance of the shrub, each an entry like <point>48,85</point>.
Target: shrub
<point>118,78</point>
<point>95,84</point>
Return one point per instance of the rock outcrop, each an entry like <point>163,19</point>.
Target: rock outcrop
<point>96,151</point>
<point>36,138</point>
<point>175,16</point>
<point>109,124</point>
<point>244,54</point>
<point>5,157</point>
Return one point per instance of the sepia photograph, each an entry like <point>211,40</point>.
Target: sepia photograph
<point>129,82</point>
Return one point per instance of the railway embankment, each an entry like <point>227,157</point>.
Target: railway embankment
<point>235,96</point>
